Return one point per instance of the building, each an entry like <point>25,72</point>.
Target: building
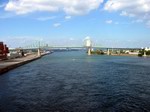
<point>147,48</point>
<point>4,50</point>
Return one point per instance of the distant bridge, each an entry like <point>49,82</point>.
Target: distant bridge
<point>76,48</point>
<point>43,45</point>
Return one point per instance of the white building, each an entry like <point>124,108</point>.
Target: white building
<point>147,48</point>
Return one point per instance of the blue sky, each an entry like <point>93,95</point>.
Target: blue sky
<point>109,23</point>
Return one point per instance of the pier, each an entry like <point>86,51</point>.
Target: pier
<point>7,65</point>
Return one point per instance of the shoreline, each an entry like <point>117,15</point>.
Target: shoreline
<point>123,55</point>
<point>132,55</point>
<point>7,65</point>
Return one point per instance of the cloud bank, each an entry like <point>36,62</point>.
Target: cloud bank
<point>139,9</point>
<point>70,7</point>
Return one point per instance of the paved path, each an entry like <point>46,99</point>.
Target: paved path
<point>7,65</point>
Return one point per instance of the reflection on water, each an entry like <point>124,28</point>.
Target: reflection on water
<point>72,81</point>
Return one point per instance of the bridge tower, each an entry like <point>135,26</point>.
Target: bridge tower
<point>39,52</point>
<point>108,51</point>
<point>88,45</point>
<point>144,53</point>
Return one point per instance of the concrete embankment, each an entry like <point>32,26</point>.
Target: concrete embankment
<point>7,65</point>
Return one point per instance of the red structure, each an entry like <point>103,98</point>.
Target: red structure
<point>3,51</point>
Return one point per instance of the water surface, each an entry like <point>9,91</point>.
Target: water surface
<point>75,82</point>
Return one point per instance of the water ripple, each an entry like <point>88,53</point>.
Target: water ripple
<point>74,82</point>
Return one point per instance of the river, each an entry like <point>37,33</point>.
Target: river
<point>74,82</point>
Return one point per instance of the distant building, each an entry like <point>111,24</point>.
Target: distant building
<point>147,48</point>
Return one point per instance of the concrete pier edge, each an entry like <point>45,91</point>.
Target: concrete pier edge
<point>16,65</point>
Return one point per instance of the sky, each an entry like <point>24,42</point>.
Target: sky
<point>109,23</point>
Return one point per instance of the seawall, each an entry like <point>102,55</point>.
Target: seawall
<point>8,65</point>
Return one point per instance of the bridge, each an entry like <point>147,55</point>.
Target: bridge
<point>45,46</point>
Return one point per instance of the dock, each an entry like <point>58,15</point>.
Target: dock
<point>7,65</point>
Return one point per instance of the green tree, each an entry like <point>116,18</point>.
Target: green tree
<point>141,52</point>
<point>148,52</point>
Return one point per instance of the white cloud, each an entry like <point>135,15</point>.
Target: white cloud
<point>137,21</point>
<point>46,18</point>
<point>123,13</point>
<point>67,17</point>
<point>70,7</point>
<point>139,9</point>
<point>56,24</point>
<point>109,21</point>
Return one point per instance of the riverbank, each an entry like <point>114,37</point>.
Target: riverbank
<point>7,65</point>
<point>124,55</point>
